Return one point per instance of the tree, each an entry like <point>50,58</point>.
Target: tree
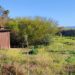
<point>39,30</point>
<point>3,16</point>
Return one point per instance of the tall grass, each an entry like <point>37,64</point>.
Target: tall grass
<point>46,60</point>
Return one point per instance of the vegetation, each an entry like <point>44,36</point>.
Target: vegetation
<point>35,31</point>
<point>50,60</point>
<point>67,32</point>
<point>46,52</point>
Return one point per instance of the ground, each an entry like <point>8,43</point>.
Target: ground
<point>49,60</point>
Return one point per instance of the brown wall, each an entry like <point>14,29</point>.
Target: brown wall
<point>4,40</point>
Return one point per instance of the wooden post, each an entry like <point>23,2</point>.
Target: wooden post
<point>26,40</point>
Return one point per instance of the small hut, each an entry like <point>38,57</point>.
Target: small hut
<point>4,33</point>
<point>4,39</point>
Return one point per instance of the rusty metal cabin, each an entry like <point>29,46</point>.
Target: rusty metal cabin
<point>4,39</point>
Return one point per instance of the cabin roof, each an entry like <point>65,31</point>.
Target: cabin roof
<point>4,30</point>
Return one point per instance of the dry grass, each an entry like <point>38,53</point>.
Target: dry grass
<point>42,63</point>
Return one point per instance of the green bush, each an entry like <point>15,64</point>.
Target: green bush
<point>33,50</point>
<point>38,30</point>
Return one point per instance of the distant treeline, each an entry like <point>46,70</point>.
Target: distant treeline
<point>69,32</point>
<point>31,31</point>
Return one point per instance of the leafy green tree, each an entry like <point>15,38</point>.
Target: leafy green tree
<point>39,30</point>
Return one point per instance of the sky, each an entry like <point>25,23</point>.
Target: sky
<point>62,11</point>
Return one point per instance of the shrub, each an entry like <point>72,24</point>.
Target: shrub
<point>38,31</point>
<point>33,50</point>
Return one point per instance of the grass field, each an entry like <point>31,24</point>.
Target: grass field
<point>49,60</point>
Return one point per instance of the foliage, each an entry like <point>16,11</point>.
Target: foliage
<point>42,62</point>
<point>33,50</point>
<point>38,31</point>
<point>3,16</point>
<point>67,32</point>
